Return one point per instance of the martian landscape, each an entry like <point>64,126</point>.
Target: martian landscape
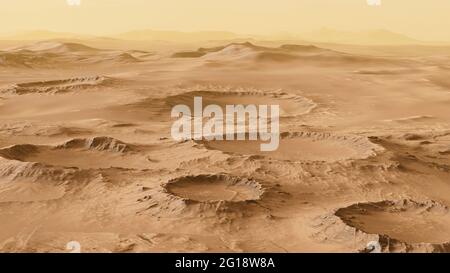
<point>87,156</point>
<point>86,152</point>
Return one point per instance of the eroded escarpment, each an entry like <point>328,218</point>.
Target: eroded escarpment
<point>58,86</point>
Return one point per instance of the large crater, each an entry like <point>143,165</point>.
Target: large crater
<point>290,105</point>
<point>302,146</point>
<point>215,188</point>
<point>406,220</point>
<point>96,152</point>
<point>160,108</point>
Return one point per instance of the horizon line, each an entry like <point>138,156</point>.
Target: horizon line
<point>64,34</point>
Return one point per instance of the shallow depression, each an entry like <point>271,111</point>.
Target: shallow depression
<point>290,105</point>
<point>407,221</point>
<point>303,147</point>
<point>212,188</point>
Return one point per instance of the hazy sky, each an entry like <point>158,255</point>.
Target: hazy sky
<point>423,19</point>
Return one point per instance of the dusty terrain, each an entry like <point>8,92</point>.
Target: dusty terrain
<point>86,153</point>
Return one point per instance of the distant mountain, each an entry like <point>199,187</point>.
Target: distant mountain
<point>302,54</point>
<point>38,35</point>
<point>54,54</point>
<point>250,52</point>
<point>370,37</point>
<point>178,36</point>
<point>54,47</point>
